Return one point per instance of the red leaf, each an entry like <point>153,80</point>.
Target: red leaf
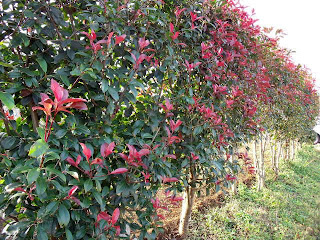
<point>59,92</point>
<point>175,35</point>
<point>72,100</point>
<point>86,151</point>
<point>76,200</point>
<point>143,43</point>
<point>171,156</point>
<point>79,105</point>
<point>119,39</point>
<point>98,161</point>
<point>143,152</point>
<point>109,38</point>
<point>119,171</point>
<point>166,179</point>
<point>123,156</point>
<point>178,12</point>
<point>176,199</point>
<point>44,97</point>
<point>72,190</point>
<point>194,157</point>
<point>171,28</point>
<point>78,160</point>
<point>117,230</point>
<point>19,189</point>
<point>71,161</point>
<point>106,149</point>
<point>175,125</point>
<point>115,216</point>
<point>103,215</point>
<point>182,44</point>
<point>38,108</point>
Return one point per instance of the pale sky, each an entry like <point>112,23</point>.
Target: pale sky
<point>300,20</point>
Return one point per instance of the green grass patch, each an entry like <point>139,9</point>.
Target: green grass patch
<point>288,208</point>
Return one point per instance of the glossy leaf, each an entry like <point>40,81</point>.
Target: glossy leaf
<point>39,148</point>
<point>63,215</point>
<point>7,100</point>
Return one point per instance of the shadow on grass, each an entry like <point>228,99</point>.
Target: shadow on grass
<point>288,208</point>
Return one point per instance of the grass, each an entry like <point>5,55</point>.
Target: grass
<point>288,208</point>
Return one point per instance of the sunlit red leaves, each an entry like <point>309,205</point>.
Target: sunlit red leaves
<point>194,157</point>
<point>138,60</point>
<point>135,157</point>
<point>194,18</point>
<point>98,45</point>
<point>120,38</point>
<point>178,12</point>
<point>169,180</point>
<point>115,216</point>
<point>172,139</point>
<point>97,161</point>
<point>143,43</point>
<point>86,151</point>
<point>230,177</point>
<point>61,101</point>
<point>72,191</point>
<point>119,171</point>
<point>174,35</point>
<point>106,149</point>
<point>146,176</point>
<point>175,125</point>
<point>111,220</point>
<point>191,66</point>
<point>167,107</point>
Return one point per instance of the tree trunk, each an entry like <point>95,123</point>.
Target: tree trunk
<point>188,198</point>
<point>277,158</point>
<point>254,148</point>
<point>260,165</point>
<point>293,150</point>
<point>234,189</point>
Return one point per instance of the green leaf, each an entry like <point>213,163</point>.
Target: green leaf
<point>41,186</point>
<point>38,148</point>
<point>52,207</point>
<point>75,72</point>
<point>33,175</point>
<point>81,129</point>
<point>41,132</point>
<point>98,197</point>
<point>61,133</point>
<point>69,234</point>
<point>57,172</point>
<point>88,185</point>
<point>63,215</point>
<point>9,142</point>
<point>104,86</point>
<point>7,100</point>
<point>114,93</point>
<point>43,64</point>
<point>6,65</point>
<point>197,130</point>
<point>41,234</point>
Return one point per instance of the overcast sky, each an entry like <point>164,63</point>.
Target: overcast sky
<point>300,20</point>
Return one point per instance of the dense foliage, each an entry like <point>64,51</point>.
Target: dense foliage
<point>119,99</point>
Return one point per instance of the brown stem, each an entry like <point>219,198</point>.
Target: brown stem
<point>34,117</point>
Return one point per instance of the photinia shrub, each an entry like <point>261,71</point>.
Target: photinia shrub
<point>121,99</point>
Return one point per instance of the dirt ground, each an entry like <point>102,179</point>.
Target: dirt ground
<point>201,204</point>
